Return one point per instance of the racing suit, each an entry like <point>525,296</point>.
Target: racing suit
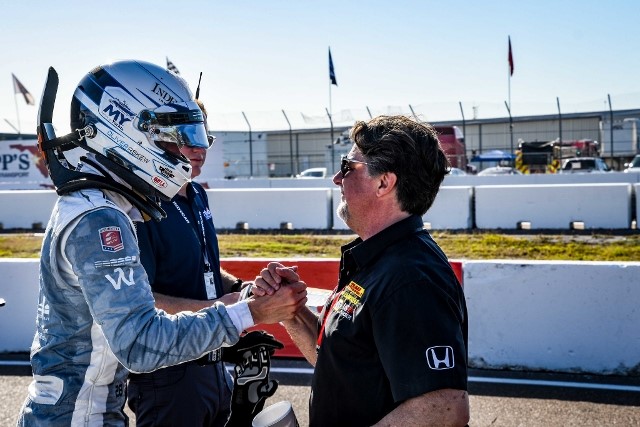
<point>96,317</point>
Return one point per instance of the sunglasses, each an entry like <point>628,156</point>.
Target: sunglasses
<point>345,165</point>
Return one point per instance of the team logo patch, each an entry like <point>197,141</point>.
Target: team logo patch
<point>349,301</point>
<point>440,357</point>
<point>111,239</point>
<point>356,289</point>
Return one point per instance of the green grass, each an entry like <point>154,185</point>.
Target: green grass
<point>583,247</point>
<point>20,246</point>
<point>473,245</point>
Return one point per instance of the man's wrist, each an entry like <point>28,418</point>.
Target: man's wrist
<point>240,315</point>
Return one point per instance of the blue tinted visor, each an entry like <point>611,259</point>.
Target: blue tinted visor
<point>193,135</point>
<point>183,128</point>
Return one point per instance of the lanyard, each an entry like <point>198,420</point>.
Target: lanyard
<point>207,266</point>
<point>334,299</point>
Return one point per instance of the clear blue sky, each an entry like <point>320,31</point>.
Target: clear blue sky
<point>262,56</point>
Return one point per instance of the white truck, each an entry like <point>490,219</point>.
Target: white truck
<point>625,138</point>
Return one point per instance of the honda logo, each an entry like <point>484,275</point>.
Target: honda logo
<point>440,357</point>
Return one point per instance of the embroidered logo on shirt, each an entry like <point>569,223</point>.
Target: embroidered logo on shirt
<point>440,357</point>
<point>121,278</point>
<point>111,239</point>
<point>349,300</point>
<point>116,262</point>
<point>356,289</point>
<point>206,213</point>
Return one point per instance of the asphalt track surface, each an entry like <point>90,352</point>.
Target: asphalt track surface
<point>498,398</point>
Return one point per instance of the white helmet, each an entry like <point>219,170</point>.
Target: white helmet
<point>135,108</point>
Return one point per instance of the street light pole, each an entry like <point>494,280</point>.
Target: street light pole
<point>464,131</point>
<point>610,126</point>
<point>290,143</point>
<point>250,146</point>
<point>559,120</point>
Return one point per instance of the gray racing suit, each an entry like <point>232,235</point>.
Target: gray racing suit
<point>96,317</point>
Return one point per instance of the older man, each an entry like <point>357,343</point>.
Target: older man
<point>390,346</point>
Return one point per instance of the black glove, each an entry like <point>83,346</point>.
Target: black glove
<point>251,386</point>
<point>250,342</point>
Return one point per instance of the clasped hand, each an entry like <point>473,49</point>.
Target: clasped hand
<point>278,294</point>
<point>273,277</point>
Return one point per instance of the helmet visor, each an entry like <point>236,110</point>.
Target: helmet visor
<point>184,128</point>
<point>193,135</point>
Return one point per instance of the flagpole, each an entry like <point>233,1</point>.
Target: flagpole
<point>509,72</point>
<point>509,95</point>
<point>15,98</point>
<point>330,108</point>
<point>509,76</point>
<point>330,81</point>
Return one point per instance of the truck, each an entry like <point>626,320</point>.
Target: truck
<point>626,138</point>
<point>534,157</point>
<point>452,141</point>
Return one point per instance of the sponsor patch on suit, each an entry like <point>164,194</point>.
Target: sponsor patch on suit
<point>111,239</point>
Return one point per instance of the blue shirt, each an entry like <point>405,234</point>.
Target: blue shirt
<point>172,252</point>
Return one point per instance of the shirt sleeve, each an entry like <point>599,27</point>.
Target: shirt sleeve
<point>419,333</point>
<point>103,253</point>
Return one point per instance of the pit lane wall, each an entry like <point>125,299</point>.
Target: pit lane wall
<point>457,207</point>
<point>551,316</point>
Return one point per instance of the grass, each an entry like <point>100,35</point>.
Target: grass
<point>20,246</point>
<point>472,245</point>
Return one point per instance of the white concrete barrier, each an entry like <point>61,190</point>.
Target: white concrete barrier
<point>19,288</point>
<point>555,316</point>
<point>23,209</point>
<point>553,206</point>
<point>529,315</point>
<point>457,180</point>
<point>450,211</point>
<point>267,208</point>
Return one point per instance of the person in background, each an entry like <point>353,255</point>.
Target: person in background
<point>390,346</point>
<point>181,257</point>
<point>96,317</point>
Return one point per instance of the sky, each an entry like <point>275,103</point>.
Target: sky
<point>441,59</point>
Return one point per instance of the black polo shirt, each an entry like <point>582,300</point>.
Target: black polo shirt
<point>396,328</point>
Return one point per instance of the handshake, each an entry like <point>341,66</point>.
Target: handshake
<point>276,295</point>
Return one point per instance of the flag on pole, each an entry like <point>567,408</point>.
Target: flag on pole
<point>172,67</point>
<point>510,58</point>
<point>19,88</point>
<point>332,72</point>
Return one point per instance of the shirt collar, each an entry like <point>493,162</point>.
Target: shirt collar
<point>364,252</point>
